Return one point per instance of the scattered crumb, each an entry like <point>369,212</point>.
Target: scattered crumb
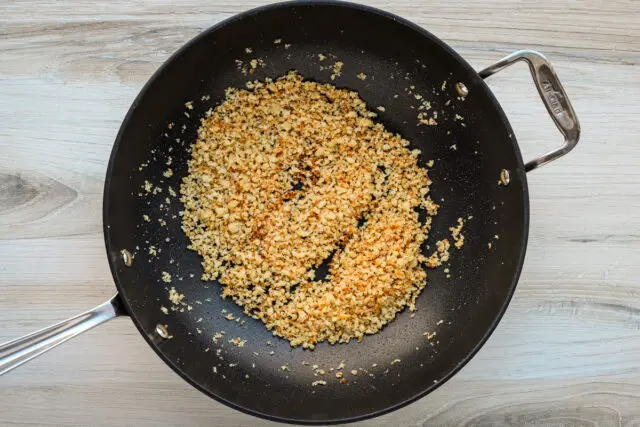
<point>424,119</point>
<point>440,322</point>
<point>284,368</point>
<point>166,277</point>
<point>189,106</point>
<point>146,218</point>
<point>245,68</point>
<point>168,173</point>
<point>238,342</point>
<point>393,362</point>
<point>456,234</point>
<point>164,310</point>
<point>381,108</point>
<point>337,69</point>
<point>354,372</point>
<point>248,50</point>
<point>277,41</point>
<point>454,147</point>
<point>321,57</point>
<point>175,297</point>
<point>362,76</point>
<point>319,382</point>
<point>440,255</point>
<point>339,374</point>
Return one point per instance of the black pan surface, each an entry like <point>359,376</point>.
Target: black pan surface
<point>471,144</point>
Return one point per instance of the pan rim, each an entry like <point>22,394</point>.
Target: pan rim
<point>114,266</point>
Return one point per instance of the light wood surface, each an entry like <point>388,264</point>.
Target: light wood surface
<point>568,349</point>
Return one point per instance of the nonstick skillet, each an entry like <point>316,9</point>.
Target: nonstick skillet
<point>478,175</point>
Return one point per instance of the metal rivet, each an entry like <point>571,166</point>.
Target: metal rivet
<point>162,331</point>
<point>505,178</point>
<point>127,258</point>
<point>462,89</point>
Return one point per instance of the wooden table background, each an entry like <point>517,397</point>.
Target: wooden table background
<point>568,349</point>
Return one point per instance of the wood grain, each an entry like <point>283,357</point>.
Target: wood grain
<point>568,349</point>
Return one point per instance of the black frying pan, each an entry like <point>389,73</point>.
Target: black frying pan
<point>471,156</point>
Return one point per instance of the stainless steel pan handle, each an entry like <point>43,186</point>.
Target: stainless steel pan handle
<point>15,353</point>
<point>553,96</point>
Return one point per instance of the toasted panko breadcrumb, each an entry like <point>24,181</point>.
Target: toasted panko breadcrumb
<point>290,173</point>
<point>456,234</point>
<point>440,255</point>
<point>166,277</point>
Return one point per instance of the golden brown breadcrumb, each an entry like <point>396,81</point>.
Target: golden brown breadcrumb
<point>291,173</point>
<point>456,234</point>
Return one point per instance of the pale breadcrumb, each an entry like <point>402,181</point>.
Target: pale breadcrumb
<point>337,69</point>
<point>175,297</point>
<point>281,178</point>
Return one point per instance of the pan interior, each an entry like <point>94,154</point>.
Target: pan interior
<point>470,145</point>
